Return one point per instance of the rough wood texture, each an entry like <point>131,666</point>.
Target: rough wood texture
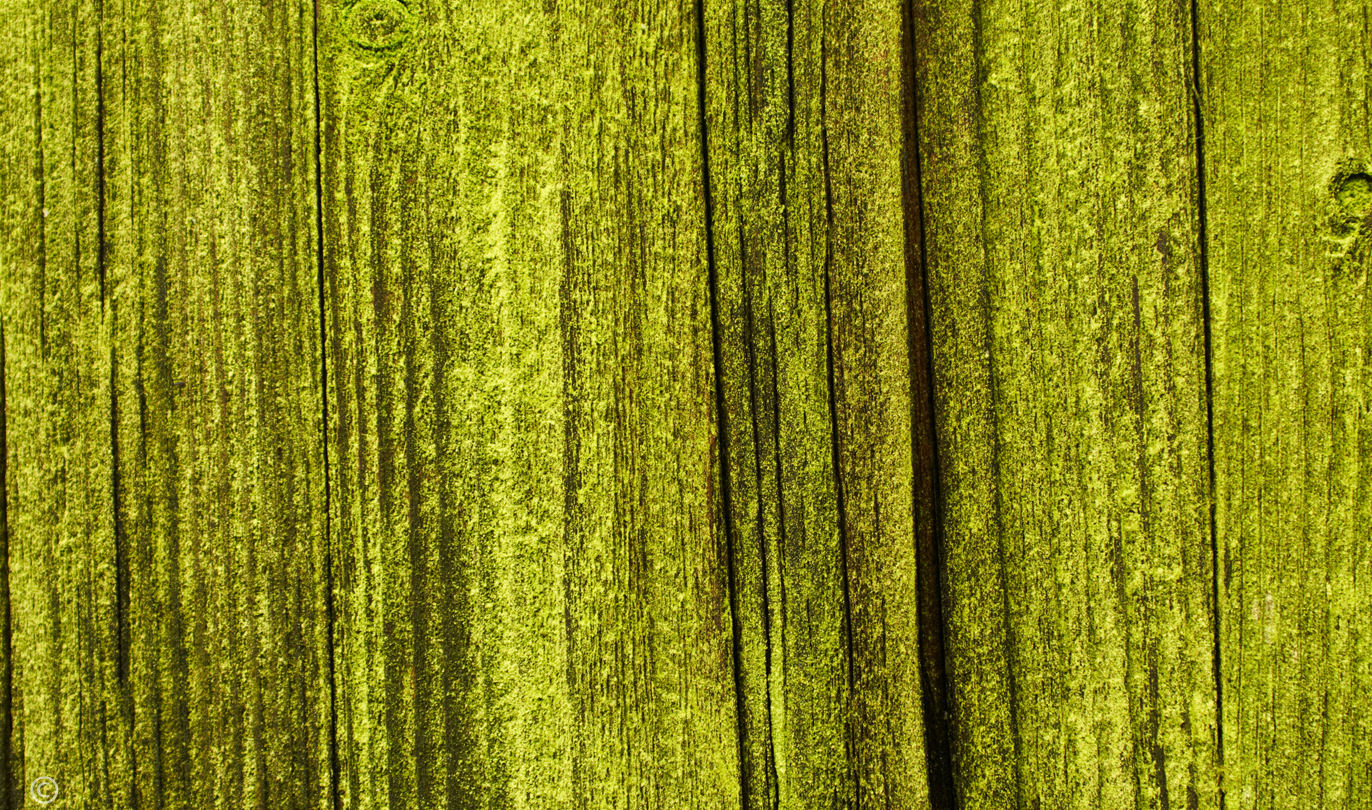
<point>440,257</point>
<point>1062,256</point>
<point>650,611</point>
<point>64,687</point>
<point>532,600</point>
<point>218,412</point>
<point>218,404</point>
<point>1288,140</point>
<point>166,488</point>
<point>804,109</point>
<point>740,404</point>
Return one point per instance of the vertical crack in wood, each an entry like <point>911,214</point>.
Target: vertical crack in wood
<point>835,444</point>
<point>121,577</point>
<point>781,554</point>
<point>928,481</point>
<point>336,798</point>
<point>1010,644</point>
<point>1204,258</point>
<point>773,792</point>
<point>121,555</point>
<point>41,180</point>
<point>8,790</point>
<point>145,562</point>
<point>571,456</point>
<point>75,140</point>
<point>721,419</point>
<point>100,150</point>
<point>784,195</point>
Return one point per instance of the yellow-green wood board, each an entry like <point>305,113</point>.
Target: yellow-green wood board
<point>699,404</point>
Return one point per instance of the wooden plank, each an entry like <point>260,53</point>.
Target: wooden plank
<point>218,412</point>
<point>651,658</point>
<point>805,115</point>
<point>598,491</point>
<point>64,696</point>
<point>1288,140</point>
<point>1059,187</point>
<point>20,227</point>
<point>443,396</point>
<point>22,374</point>
<point>651,621</point>
<point>165,498</point>
<point>532,605</point>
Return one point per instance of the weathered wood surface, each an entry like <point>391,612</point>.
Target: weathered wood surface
<point>533,604</point>
<point>1065,286</point>
<point>1289,214</point>
<point>803,104</point>
<point>702,404</point>
<point>165,478</point>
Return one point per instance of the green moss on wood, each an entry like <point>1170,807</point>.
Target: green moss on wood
<point>1287,146</point>
<point>1063,262</point>
<point>506,405</point>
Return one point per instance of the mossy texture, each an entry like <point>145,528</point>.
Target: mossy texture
<point>165,480</point>
<point>1287,142</point>
<point>1061,215</point>
<point>804,115</point>
<point>728,404</point>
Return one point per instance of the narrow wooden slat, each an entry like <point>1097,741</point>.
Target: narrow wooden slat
<point>162,410</point>
<point>65,696</point>
<point>21,349</point>
<point>531,605</point>
<point>1060,192</point>
<point>214,310</point>
<point>650,619</point>
<point>441,257</point>
<point>1288,145</point>
<point>805,110</point>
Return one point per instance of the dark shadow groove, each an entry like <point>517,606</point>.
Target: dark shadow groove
<point>840,497</point>
<point>121,553</point>
<point>928,481</point>
<point>1010,645</point>
<point>1204,256</point>
<point>773,789</point>
<point>41,181</point>
<point>329,608</point>
<point>8,790</point>
<point>721,419</point>
<point>781,549</point>
<point>100,237</point>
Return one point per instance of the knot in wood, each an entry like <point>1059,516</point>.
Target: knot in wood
<point>1350,204</point>
<point>379,25</point>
